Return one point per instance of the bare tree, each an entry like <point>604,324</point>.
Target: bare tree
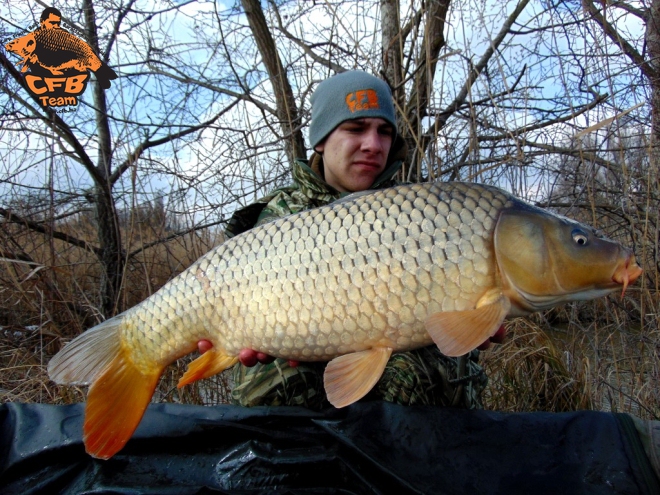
<point>287,110</point>
<point>554,100</point>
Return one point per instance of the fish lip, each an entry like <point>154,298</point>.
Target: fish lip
<point>626,273</point>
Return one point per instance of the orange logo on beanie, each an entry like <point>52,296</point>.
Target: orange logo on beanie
<point>363,99</point>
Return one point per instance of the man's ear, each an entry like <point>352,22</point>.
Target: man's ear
<point>320,148</point>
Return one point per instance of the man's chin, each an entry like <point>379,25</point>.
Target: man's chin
<point>360,185</point>
<point>363,180</point>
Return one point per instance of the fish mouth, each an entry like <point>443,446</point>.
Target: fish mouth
<point>626,273</point>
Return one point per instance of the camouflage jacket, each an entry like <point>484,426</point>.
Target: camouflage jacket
<point>308,190</point>
<point>423,376</point>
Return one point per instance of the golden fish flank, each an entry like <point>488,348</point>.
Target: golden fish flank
<point>352,282</point>
<point>371,276</point>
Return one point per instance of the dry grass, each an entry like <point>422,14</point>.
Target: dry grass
<point>568,363</point>
<point>49,294</point>
<point>600,355</point>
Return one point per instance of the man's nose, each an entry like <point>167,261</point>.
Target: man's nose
<point>372,141</point>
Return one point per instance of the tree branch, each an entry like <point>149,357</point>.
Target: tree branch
<point>287,110</point>
<point>640,13</point>
<point>43,229</point>
<point>135,155</point>
<point>541,125</point>
<point>189,80</point>
<point>442,118</point>
<point>173,236</point>
<point>433,41</point>
<point>51,119</point>
<point>627,49</point>
<point>115,30</point>
<point>576,152</point>
<point>307,48</point>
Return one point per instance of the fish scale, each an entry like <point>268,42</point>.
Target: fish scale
<point>351,282</point>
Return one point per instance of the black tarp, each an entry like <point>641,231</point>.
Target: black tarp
<point>370,447</point>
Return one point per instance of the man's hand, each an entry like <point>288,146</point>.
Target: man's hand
<point>247,357</point>
<point>204,345</point>
<point>498,338</point>
<point>250,357</point>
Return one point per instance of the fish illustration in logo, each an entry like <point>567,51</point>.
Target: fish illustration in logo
<point>50,50</point>
<point>58,50</point>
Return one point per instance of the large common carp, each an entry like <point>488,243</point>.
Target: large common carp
<point>351,282</point>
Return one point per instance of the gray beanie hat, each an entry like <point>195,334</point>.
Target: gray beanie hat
<point>346,96</point>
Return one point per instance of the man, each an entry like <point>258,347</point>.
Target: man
<point>354,135</point>
<point>51,18</point>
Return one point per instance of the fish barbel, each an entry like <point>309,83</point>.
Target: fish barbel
<point>350,283</point>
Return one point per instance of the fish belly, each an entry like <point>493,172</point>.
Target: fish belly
<point>360,273</point>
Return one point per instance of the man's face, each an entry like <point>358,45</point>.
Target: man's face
<point>53,21</point>
<point>355,153</point>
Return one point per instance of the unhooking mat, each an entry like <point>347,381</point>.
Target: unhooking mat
<point>366,448</point>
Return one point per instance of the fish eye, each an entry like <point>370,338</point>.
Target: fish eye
<point>579,237</point>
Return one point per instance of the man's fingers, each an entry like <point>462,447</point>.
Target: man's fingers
<point>204,345</point>
<point>498,338</point>
<point>250,357</point>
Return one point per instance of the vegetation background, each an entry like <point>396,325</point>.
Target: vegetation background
<point>557,101</point>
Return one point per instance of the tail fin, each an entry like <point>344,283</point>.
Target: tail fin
<point>104,75</point>
<point>119,391</point>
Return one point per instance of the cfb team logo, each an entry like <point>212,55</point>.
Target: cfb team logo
<point>56,64</point>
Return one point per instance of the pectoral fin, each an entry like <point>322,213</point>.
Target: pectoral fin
<point>350,377</point>
<point>458,332</point>
<point>208,364</point>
